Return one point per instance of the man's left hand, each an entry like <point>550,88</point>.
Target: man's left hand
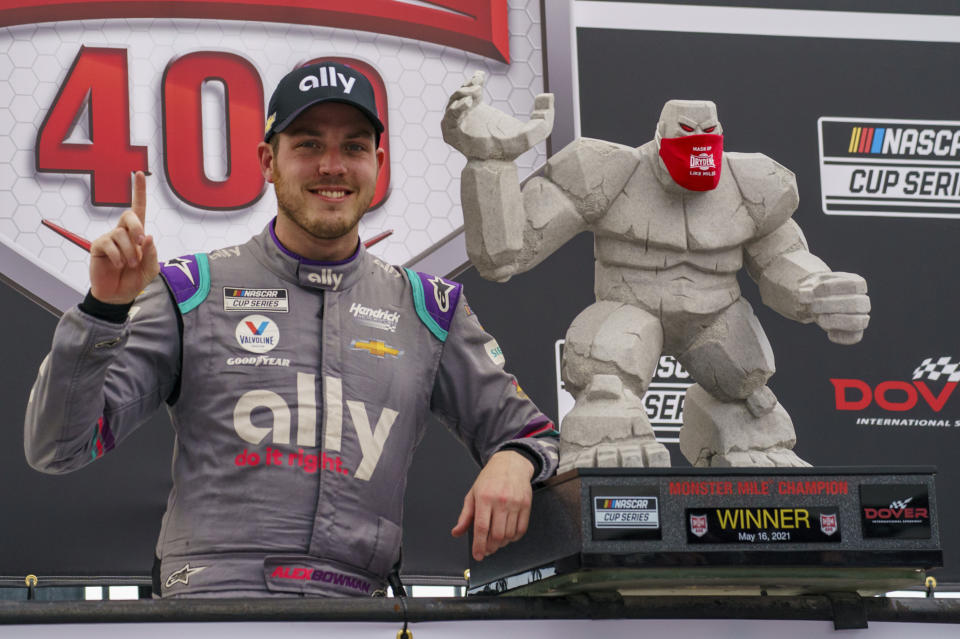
<point>498,503</point>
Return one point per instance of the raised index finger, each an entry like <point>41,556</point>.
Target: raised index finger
<point>139,205</point>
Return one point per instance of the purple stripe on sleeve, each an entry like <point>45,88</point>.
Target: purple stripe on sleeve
<point>539,423</point>
<point>106,435</point>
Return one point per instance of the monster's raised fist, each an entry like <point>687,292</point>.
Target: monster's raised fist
<point>481,132</point>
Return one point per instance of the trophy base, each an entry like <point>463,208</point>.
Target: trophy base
<point>709,581</point>
<point>734,531</point>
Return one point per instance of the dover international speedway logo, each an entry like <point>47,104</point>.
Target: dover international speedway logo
<point>927,400</point>
<point>890,168</point>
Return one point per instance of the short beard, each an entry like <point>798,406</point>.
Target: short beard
<point>320,227</point>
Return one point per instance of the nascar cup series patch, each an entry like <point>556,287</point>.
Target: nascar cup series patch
<point>264,300</point>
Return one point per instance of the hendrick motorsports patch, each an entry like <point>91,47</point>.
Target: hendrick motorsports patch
<point>763,525</point>
<point>625,512</point>
<point>265,300</point>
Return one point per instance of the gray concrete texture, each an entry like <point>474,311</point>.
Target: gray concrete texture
<point>667,259</point>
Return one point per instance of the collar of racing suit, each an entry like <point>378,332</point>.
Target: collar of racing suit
<point>329,276</point>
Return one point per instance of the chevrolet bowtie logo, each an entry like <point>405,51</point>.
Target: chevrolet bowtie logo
<point>376,348</point>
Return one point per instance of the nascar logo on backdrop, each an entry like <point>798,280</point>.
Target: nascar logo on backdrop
<point>890,168</point>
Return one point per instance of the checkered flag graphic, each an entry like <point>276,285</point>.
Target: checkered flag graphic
<point>938,369</point>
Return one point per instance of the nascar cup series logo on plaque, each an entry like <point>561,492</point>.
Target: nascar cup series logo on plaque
<point>625,512</point>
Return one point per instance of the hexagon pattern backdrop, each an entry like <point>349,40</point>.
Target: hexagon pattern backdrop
<point>422,204</point>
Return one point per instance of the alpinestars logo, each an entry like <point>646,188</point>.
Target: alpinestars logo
<point>899,168</point>
<point>441,292</point>
<point>920,402</point>
<point>182,576</point>
<point>183,266</point>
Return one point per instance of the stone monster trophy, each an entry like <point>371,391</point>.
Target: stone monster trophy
<point>674,221</point>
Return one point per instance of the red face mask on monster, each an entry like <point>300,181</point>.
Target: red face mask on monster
<point>693,160</point>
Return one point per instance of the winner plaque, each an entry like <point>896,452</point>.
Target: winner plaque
<point>722,531</point>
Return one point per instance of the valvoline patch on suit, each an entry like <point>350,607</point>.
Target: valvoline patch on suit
<point>435,300</point>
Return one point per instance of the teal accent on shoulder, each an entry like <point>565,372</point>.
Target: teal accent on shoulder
<point>420,305</point>
<point>203,266</point>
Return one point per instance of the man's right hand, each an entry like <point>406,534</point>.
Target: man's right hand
<point>124,260</point>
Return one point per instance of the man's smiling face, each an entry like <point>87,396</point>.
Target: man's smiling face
<point>324,168</point>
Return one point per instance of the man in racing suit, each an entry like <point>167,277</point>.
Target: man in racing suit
<point>298,370</point>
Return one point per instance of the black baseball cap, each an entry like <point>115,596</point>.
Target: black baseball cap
<point>324,81</point>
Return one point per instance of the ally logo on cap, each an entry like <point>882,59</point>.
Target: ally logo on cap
<point>328,78</point>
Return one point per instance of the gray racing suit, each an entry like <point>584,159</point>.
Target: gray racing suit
<point>298,391</point>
